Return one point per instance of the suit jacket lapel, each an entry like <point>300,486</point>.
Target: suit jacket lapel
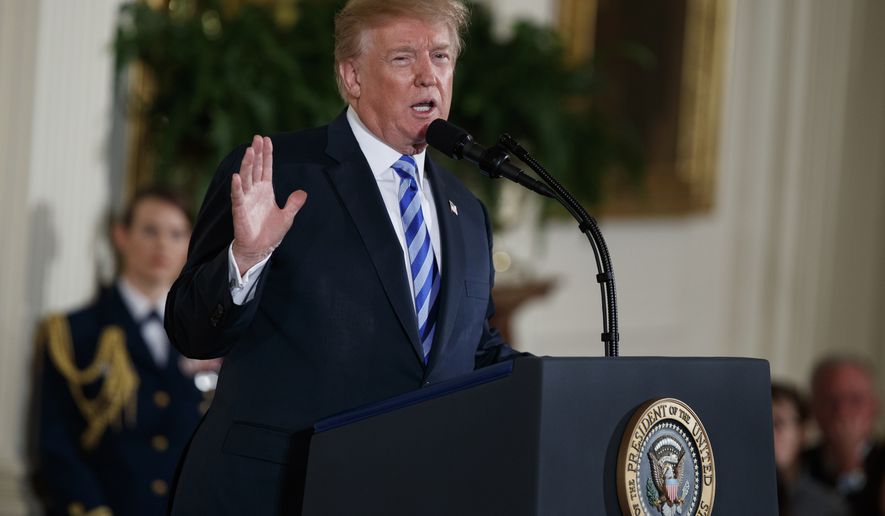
<point>354,182</point>
<point>452,275</point>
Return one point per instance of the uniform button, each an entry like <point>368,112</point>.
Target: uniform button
<point>160,443</point>
<point>428,382</point>
<point>161,399</point>
<point>159,487</point>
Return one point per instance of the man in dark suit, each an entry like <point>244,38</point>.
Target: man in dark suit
<point>380,285</point>
<point>117,404</point>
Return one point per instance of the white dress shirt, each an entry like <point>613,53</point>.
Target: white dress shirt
<point>151,331</point>
<point>381,158</point>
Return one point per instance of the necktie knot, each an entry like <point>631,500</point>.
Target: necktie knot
<point>152,316</point>
<point>407,169</point>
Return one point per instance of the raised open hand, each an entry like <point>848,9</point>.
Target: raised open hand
<point>259,224</point>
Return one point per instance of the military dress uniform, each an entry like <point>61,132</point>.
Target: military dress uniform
<point>115,409</point>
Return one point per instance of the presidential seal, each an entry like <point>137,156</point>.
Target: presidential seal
<point>665,465</point>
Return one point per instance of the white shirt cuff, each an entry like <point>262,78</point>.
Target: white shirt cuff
<point>242,288</point>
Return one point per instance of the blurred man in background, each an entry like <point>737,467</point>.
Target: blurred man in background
<point>848,458</point>
<point>117,403</point>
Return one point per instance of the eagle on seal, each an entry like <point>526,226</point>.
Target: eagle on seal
<point>667,461</point>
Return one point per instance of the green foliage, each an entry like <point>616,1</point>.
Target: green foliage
<point>651,493</point>
<point>522,85</point>
<point>221,77</point>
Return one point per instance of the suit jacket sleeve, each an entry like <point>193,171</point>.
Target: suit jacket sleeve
<point>202,320</point>
<point>491,347</point>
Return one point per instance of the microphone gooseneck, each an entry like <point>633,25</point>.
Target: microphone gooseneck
<point>457,143</point>
<point>587,224</point>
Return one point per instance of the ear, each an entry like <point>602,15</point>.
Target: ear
<point>350,78</point>
<point>120,236</point>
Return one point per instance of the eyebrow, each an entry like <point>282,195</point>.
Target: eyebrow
<point>404,48</point>
<point>412,49</point>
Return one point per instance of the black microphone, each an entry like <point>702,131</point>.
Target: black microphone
<point>494,162</point>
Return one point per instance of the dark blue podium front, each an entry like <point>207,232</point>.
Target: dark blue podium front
<point>539,436</point>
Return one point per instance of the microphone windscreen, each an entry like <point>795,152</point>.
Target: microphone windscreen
<point>446,137</point>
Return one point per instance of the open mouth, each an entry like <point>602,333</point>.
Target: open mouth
<point>424,107</point>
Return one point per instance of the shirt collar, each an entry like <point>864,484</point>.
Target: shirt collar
<point>379,155</point>
<point>139,305</point>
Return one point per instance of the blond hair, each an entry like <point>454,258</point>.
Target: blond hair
<point>360,15</point>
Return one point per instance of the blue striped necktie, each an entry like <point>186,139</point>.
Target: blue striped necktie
<point>425,274</point>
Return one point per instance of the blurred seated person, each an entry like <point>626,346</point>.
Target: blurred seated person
<point>798,493</point>
<point>848,458</point>
<point>117,403</point>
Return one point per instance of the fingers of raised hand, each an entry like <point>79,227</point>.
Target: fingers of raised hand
<point>236,190</point>
<point>258,166</point>
<point>246,169</point>
<point>267,172</point>
<point>294,203</point>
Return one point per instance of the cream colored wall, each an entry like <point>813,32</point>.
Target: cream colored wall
<point>509,11</point>
<point>55,100</point>
<point>788,264</point>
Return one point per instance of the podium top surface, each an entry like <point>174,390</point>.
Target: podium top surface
<point>498,371</point>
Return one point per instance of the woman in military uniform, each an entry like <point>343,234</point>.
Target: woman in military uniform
<point>117,402</point>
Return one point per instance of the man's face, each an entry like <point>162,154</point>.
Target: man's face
<point>154,246</point>
<point>845,403</point>
<point>402,81</point>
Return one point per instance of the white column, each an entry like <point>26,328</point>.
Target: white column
<point>55,95</point>
<point>18,27</point>
<point>69,170</point>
